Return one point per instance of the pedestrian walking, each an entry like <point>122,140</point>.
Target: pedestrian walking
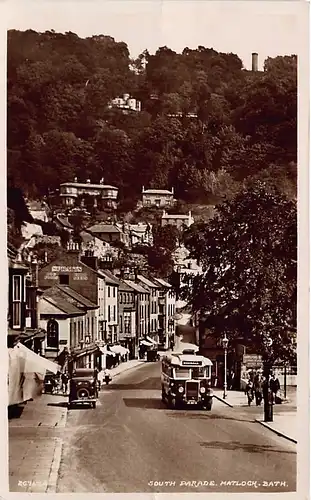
<point>107,376</point>
<point>249,391</point>
<point>258,387</point>
<point>64,379</point>
<point>275,387</point>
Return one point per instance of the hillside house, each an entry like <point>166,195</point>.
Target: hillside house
<point>125,103</point>
<point>157,198</point>
<point>181,221</point>
<point>70,191</point>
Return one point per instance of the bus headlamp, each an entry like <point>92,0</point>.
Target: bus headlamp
<point>202,390</point>
<point>181,389</point>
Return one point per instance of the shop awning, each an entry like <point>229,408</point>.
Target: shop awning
<point>104,350</point>
<point>36,362</point>
<point>147,344</point>
<point>119,349</point>
<point>149,339</point>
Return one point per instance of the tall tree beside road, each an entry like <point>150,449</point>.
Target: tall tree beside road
<point>249,256</point>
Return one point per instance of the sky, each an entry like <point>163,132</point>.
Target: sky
<point>242,27</point>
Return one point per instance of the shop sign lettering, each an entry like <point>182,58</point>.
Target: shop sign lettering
<point>51,276</point>
<point>67,269</point>
<point>80,277</point>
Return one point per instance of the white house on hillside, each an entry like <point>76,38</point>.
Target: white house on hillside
<point>179,220</point>
<point>157,198</point>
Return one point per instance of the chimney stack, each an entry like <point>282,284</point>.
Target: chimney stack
<point>254,61</point>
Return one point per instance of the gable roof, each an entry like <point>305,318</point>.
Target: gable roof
<point>63,305</point>
<point>70,302</point>
<point>163,282</point>
<point>147,282</point>
<point>136,287</point>
<point>108,276</point>
<point>104,228</point>
<point>77,296</point>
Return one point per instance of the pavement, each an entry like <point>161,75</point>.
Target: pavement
<point>284,415</point>
<point>36,440</point>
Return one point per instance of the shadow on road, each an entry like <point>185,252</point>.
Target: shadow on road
<point>251,448</point>
<point>62,404</point>
<point>204,415</point>
<point>152,383</point>
<point>150,403</point>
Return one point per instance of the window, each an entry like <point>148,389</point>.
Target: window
<point>182,373</point>
<point>114,291</point>
<point>121,324</point>
<point>64,279</point>
<point>127,322</point>
<point>17,301</point>
<point>109,317</point>
<point>114,313</point>
<point>108,291</point>
<point>52,337</point>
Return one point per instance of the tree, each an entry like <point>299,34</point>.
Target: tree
<point>248,288</point>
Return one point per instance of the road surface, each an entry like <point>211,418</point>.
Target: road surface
<point>132,443</point>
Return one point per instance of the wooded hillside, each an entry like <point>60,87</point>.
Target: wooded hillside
<point>59,126</point>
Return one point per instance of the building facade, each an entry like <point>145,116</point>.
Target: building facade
<point>71,191</point>
<point>178,220</point>
<point>157,198</point>
<point>153,305</point>
<point>125,103</point>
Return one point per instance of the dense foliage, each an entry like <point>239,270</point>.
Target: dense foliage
<point>242,125</point>
<point>249,256</point>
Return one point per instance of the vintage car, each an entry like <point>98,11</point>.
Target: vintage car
<point>83,387</point>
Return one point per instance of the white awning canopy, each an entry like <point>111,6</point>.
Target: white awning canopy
<point>104,350</point>
<point>147,344</point>
<point>34,361</point>
<point>119,349</point>
<point>149,339</point>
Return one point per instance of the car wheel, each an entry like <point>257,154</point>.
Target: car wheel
<point>94,404</point>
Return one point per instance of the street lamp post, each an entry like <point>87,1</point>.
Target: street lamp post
<point>225,342</point>
<point>267,393</point>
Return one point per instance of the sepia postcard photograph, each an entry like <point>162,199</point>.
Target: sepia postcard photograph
<point>156,248</point>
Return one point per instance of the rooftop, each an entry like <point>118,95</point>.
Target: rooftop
<point>104,228</point>
<point>136,287</point>
<point>163,282</point>
<point>108,276</point>
<point>175,216</point>
<point>157,191</point>
<point>147,282</point>
<point>88,185</point>
<point>66,295</point>
<point>77,296</point>
<point>58,300</point>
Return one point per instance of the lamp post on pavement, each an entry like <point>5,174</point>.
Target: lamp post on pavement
<point>225,342</point>
<point>267,393</point>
